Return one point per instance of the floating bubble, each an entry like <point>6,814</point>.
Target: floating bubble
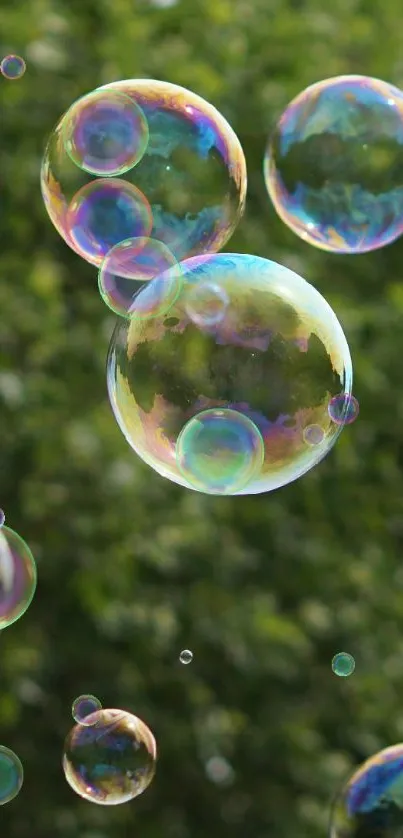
<point>371,802</point>
<point>343,664</point>
<point>206,304</point>
<point>2,517</point>
<point>129,265</point>
<point>105,212</point>
<point>219,451</point>
<point>11,775</point>
<point>186,656</point>
<point>333,167</point>
<point>12,67</point>
<point>277,358</point>
<point>313,434</point>
<point>17,577</point>
<point>105,133</point>
<point>83,707</point>
<point>343,409</point>
<point>111,759</point>
<point>192,172</point>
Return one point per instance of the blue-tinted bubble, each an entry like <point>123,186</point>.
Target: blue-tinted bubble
<point>12,67</point>
<point>105,212</point>
<point>2,517</point>
<point>343,409</point>
<point>219,451</point>
<point>206,303</point>
<point>83,707</point>
<point>334,165</point>
<point>11,775</point>
<point>105,133</point>
<point>343,664</point>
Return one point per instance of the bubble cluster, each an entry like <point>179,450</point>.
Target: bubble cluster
<point>333,166</point>
<point>275,359</point>
<point>371,802</point>
<point>186,656</point>
<point>188,174</point>
<point>83,707</point>
<point>17,577</point>
<point>111,759</point>
<point>12,67</point>
<point>343,409</point>
<point>343,664</point>
<point>11,775</point>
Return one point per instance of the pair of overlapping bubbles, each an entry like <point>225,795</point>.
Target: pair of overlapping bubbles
<point>137,176</point>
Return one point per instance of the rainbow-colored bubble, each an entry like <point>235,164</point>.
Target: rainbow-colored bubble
<point>17,577</point>
<point>334,164</point>
<point>12,67</point>
<point>83,707</point>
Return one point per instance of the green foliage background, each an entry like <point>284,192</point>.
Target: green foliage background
<point>132,569</point>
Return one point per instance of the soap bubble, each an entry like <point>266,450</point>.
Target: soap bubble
<point>111,759</point>
<point>105,133</point>
<point>277,357</point>
<point>192,173</point>
<point>2,517</point>
<point>11,775</point>
<point>83,707</point>
<point>186,656</point>
<point>334,165</point>
<point>207,303</point>
<point>12,67</point>
<point>343,409</point>
<point>343,664</point>
<point>129,265</point>
<point>104,212</point>
<point>371,802</point>
<point>17,577</point>
<point>313,434</point>
<point>219,451</point>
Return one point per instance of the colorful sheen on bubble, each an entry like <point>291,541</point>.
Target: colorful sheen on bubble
<point>276,358</point>
<point>334,164</point>
<point>192,172</point>
<point>343,664</point>
<point>111,759</point>
<point>17,577</point>
<point>83,707</point>
<point>12,67</point>
<point>11,775</point>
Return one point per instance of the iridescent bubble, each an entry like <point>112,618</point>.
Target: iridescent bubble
<point>343,664</point>
<point>192,173</point>
<point>17,577</point>
<point>370,805</point>
<point>11,775</point>
<point>334,165</point>
<point>12,67</point>
<point>186,656</point>
<point>2,517</point>
<point>206,304</point>
<point>129,265</point>
<point>219,451</point>
<point>313,434</point>
<point>104,212</point>
<point>343,409</point>
<point>83,707</point>
<point>105,133</point>
<point>277,358</point>
<point>111,759</point>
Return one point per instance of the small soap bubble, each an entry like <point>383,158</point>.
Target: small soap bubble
<point>105,133</point>
<point>333,166</point>
<point>370,804</point>
<point>17,577</point>
<point>206,303</point>
<point>343,409</point>
<point>105,212</point>
<point>313,434</point>
<point>83,707</point>
<point>129,265</point>
<point>111,759</point>
<point>186,656</point>
<point>11,775</point>
<point>2,517</point>
<point>343,664</point>
<point>12,67</point>
<point>219,451</point>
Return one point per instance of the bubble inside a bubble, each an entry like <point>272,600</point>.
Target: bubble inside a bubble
<point>17,577</point>
<point>206,303</point>
<point>83,707</point>
<point>11,775</point>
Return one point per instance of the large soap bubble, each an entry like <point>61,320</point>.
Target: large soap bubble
<point>192,171</point>
<point>17,577</point>
<point>277,356</point>
<point>334,165</point>
<point>370,805</point>
<point>111,758</point>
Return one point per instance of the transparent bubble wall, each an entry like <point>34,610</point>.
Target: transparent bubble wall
<point>277,355</point>
<point>187,188</point>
